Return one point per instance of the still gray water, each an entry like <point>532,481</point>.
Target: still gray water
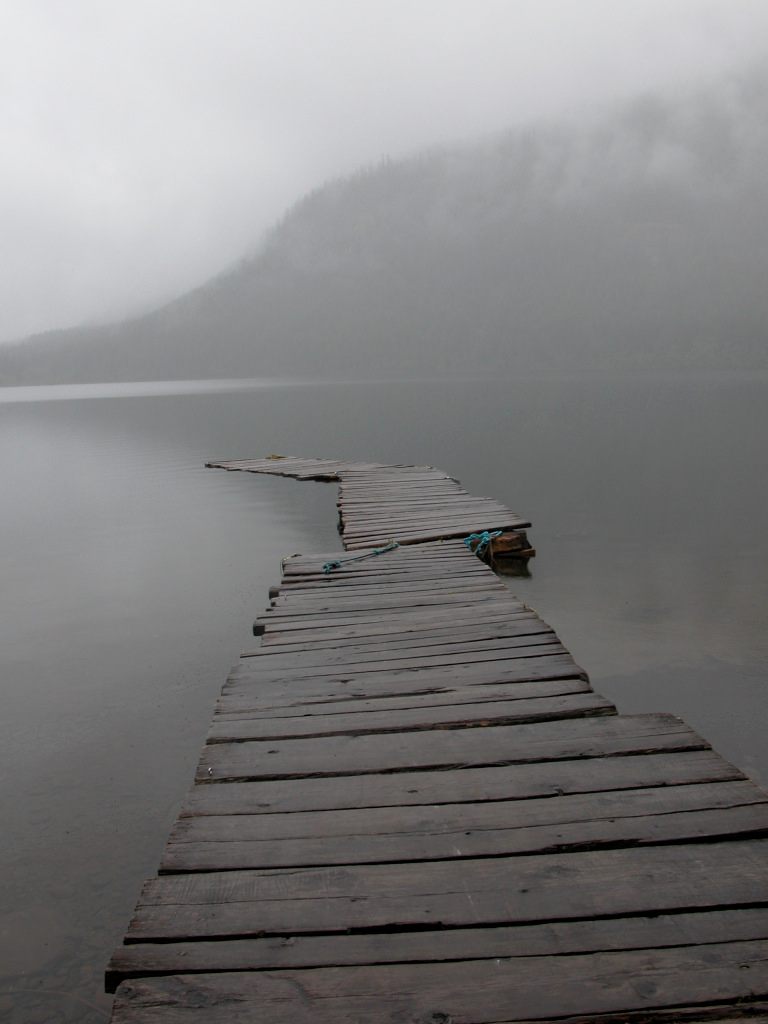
<point>131,575</point>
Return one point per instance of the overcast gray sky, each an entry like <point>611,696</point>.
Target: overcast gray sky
<point>148,144</point>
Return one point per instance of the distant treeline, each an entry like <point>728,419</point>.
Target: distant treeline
<point>634,240</point>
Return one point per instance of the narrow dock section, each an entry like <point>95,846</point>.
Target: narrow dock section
<point>378,502</point>
<point>412,808</point>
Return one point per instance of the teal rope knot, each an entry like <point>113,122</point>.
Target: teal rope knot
<point>338,562</point>
<point>481,541</point>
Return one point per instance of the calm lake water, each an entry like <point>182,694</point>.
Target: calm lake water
<point>131,576</point>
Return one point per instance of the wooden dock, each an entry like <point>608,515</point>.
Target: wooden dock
<point>379,502</point>
<point>412,808</point>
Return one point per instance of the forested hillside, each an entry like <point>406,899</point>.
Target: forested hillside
<point>634,240</point>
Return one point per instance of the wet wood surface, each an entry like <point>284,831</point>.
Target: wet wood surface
<point>412,807</point>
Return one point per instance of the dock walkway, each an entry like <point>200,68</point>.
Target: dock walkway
<point>412,808</point>
<point>378,502</point>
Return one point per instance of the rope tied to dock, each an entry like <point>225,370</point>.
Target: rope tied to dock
<point>338,562</point>
<point>481,541</point>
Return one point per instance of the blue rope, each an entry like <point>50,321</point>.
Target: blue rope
<point>482,540</point>
<point>338,562</point>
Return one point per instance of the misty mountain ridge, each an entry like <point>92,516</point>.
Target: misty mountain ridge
<point>633,240</point>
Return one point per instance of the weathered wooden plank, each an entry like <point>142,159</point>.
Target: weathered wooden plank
<point>430,553</point>
<point>461,944</point>
<point>467,785</point>
<point>294,606</point>
<point>388,563</point>
<point>299,582</point>
<point>422,555</point>
<point>382,633</point>
<point>397,474</point>
<point>449,554</point>
<point>640,817</point>
<point>495,890</point>
<point>443,532</point>
<point>308,469</point>
<point>350,498</point>
<point>398,646</point>
<point>356,576</point>
<point>240,694</point>
<point>384,568</point>
<point>442,606</point>
<point>734,1012</point>
<point>367,634</point>
<point>402,492</point>
<point>501,991</point>
<point>380,513</point>
<point>505,744</point>
<point>420,719</point>
<point>288,705</point>
<point>405,489</point>
<point>407,596</point>
<point>313,697</point>
<point>478,611</point>
<point>377,505</point>
<point>349,568</point>
<point>283,620</point>
<point>519,647</point>
<point>383,512</point>
<point>415,634</point>
<point>396,657</point>
<point>239,689</point>
<point>394,523</point>
<point>545,661</point>
<point>447,525</point>
<point>453,818</point>
<point>399,483</point>
<point>406,593</point>
<point>340,580</point>
<point>527,664</point>
<point>222,855</point>
<point>301,598</point>
<point>435,552</point>
<point>352,492</point>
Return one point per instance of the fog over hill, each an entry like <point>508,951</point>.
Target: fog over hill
<point>632,240</point>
